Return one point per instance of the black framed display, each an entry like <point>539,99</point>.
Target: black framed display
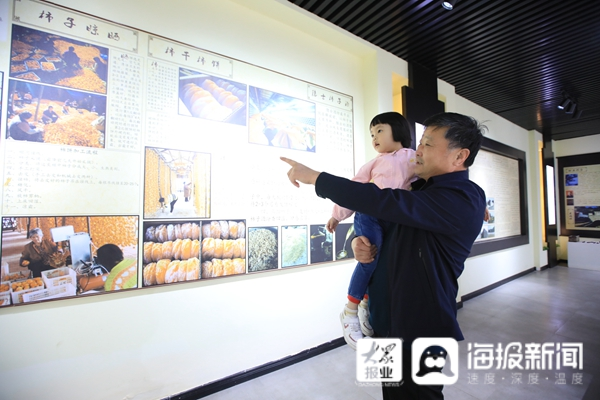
<point>578,183</point>
<point>501,171</point>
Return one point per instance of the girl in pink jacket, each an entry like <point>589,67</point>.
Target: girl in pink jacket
<point>392,168</point>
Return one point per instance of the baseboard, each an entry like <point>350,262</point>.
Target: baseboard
<point>544,267</point>
<point>495,285</point>
<point>241,377</point>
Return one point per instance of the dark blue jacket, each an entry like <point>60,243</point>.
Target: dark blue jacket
<point>428,234</point>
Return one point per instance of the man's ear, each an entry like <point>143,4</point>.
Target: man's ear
<point>461,157</point>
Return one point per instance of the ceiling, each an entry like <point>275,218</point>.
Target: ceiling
<point>516,58</point>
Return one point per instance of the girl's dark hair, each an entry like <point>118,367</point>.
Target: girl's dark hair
<point>399,124</point>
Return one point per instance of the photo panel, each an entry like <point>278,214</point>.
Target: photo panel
<point>488,228</point>
<point>210,97</point>
<point>321,244</point>
<point>43,57</point>
<point>294,245</point>
<point>281,121</point>
<point>492,217</point>
<point>571,179</point>
<point>263,249</point>
<point>578,187</point>
<point>176,184</point>
<point>343,238</point>
<point>487,231</point>
<point>587,216</point>
<point>45,258</point>
<point>49,114</point>
<point>171,252</point>
<point>223,250</point>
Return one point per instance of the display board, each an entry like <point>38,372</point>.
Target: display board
<point>579,191</point>
<point>498,176</point>
<point>159,159</point>
<point>500,171</point>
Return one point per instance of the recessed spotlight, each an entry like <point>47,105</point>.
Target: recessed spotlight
<point>448,4</point>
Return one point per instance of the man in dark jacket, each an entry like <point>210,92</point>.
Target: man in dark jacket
<point>428,234</point>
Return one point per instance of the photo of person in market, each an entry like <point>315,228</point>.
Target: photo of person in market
<point>118,272</point>
<point>27,98</point>
<point>172,199</point>
<point>71,60</point>
<point>16,100</point>
<point>172,174</point>
<point>50,117</point>
<point>187,190</point>
<point>104,247</point>
<point>47,58</point>
<point>36,254</point>
<point>101,68</point>
<point>20,128</point>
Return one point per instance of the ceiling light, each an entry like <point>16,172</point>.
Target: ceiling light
<point>564,104</point>
<point>448,4</point>
<point>571,109</point>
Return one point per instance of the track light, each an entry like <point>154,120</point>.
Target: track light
<point>449,4</point>
<point>569,106</point>
<point>564,104</point>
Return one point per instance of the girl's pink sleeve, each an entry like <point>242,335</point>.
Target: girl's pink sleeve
<point>363,176</point>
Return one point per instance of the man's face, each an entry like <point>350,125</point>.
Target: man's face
<point>433,156</point>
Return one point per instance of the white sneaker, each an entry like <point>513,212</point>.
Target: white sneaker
<point>363,318</point>
<point>352,332</point>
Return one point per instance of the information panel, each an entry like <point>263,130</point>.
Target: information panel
<point>498,176</point>
<point>131,160</point>
<point>581,199</point>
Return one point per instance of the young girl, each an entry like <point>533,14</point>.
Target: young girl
<point>392,168</point>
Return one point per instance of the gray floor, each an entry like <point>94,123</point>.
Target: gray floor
<point>557,305</point>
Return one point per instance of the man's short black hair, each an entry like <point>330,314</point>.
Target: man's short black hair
<point>399,124</point>
<point>463,132</point>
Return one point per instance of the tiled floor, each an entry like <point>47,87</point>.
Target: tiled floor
<point>557,305</point>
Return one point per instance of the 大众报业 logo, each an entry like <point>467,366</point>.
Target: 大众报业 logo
<point>379,360</point>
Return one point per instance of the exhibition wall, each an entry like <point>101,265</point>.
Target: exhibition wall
<point>566,148</point>
<point>156,341</point>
